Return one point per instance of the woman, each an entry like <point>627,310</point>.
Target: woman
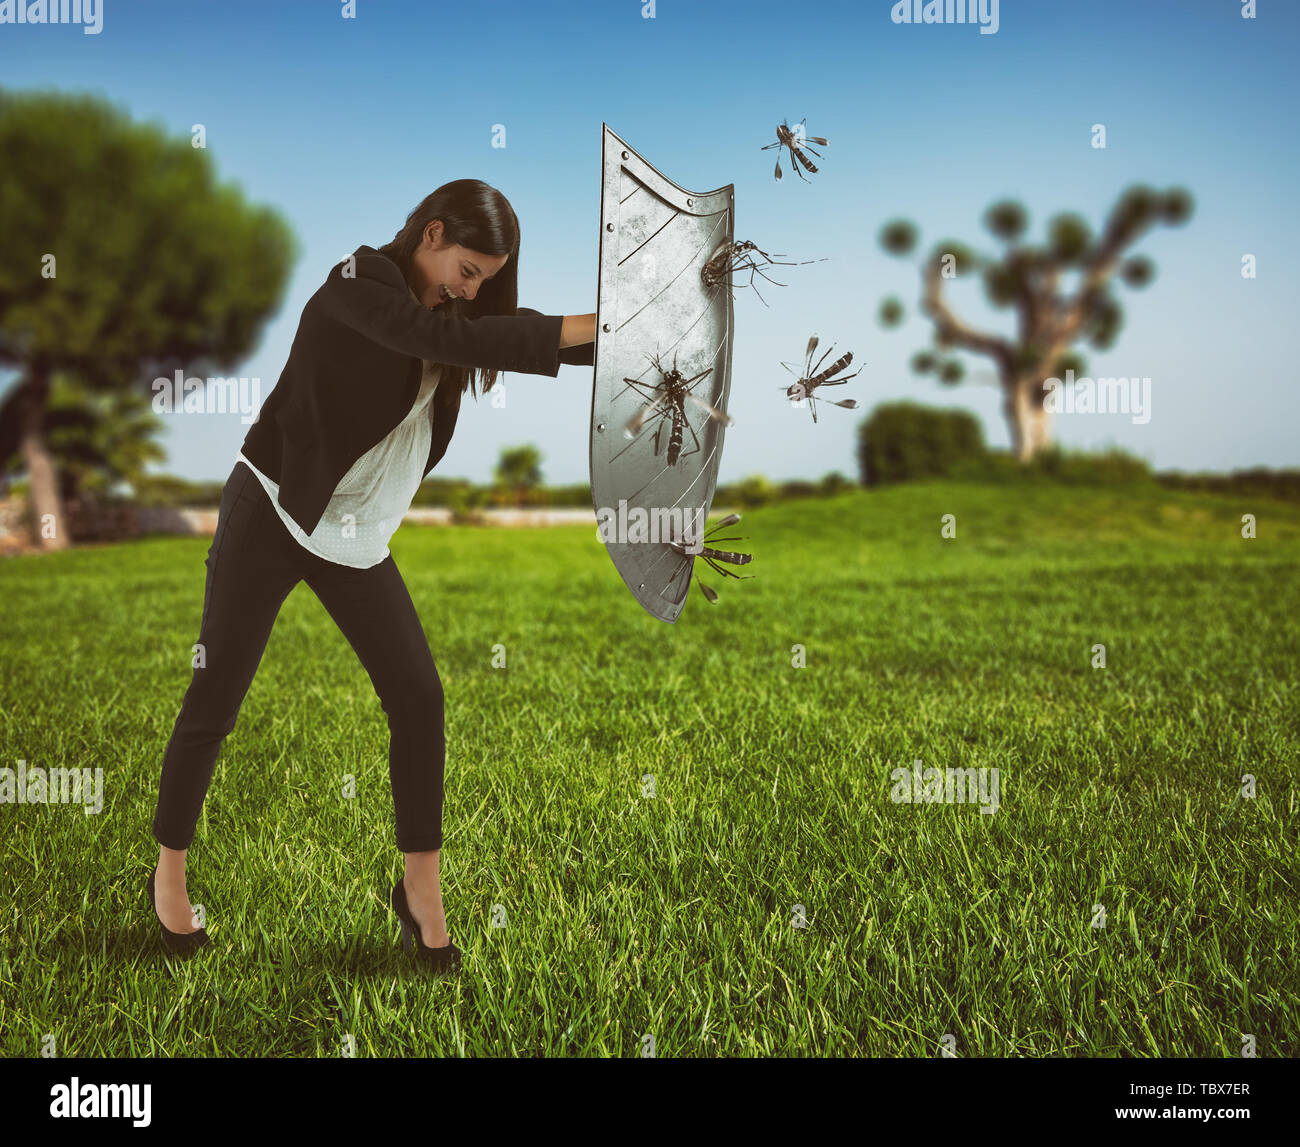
<point>363,411</point>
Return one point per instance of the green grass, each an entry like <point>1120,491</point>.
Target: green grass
<point>625,915</point>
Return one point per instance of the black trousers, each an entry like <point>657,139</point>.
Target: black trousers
<point>252,564</point>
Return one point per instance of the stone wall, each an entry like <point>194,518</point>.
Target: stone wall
<point>13,524</point>
<point>97,523</point>
<point>91,523</point>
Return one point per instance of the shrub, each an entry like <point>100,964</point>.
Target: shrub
<point>1112,467</point>
<point>578,494</point>
<point>450,492</point>
<point>1257,481</point>
<point>905,440</point>
<point>169,490</point>
<point>798,488</point>
<point>756,490</point>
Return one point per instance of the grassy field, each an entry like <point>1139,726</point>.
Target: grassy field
<point>770,898</point>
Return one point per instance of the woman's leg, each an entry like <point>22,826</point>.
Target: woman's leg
<point>374,611</point>
<point>252,565</point>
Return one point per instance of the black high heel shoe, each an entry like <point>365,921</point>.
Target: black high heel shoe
<point>183,943</point>
<point>444,959</point>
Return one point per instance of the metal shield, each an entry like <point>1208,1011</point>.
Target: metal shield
<point>655,239</point>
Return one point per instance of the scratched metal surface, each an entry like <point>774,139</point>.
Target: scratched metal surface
<point>655,238</point>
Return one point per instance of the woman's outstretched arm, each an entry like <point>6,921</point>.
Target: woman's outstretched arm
<point>378,304</point>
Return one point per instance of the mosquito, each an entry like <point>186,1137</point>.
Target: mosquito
<point>731,258</point>
<point>668,402</point>
<point>713,556</point>
<point>792,138</point>
<point>813,377</point>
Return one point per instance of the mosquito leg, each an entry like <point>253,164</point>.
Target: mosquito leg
<point>691,428</point>
<point>821,360</point>
<point>682,566</point>
<point>768,277</point>
<point>648,392</point>
<point>754,268</point>
<point>786,262</point>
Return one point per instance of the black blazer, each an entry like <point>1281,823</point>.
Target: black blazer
<point>354,370</point>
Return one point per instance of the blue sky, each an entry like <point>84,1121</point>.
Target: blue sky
<point>343,125</point>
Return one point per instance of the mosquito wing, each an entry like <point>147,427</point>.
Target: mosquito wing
<point>721,415</point>
<point>710,595</point>
<point>634,424</point>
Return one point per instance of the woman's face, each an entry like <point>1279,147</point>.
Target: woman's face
<point>439,269</point>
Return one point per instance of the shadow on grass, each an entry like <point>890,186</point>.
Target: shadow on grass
<point>294,955</point>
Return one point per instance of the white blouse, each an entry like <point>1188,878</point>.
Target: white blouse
<point>371,499</point>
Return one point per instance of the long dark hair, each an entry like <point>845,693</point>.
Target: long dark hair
<point>480,218</point>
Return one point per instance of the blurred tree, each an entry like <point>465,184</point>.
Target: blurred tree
<point>94,439</point>
<point>1028,277</point>
<point>754,490</point>
<point>123,262</point>
<point>519,470</point>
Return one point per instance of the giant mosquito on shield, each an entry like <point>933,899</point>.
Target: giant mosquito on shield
<point>712,556</point>
<point>731,258</point>
<point>668,401</point>
<point>792,138</point>
<point>813,377</point>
